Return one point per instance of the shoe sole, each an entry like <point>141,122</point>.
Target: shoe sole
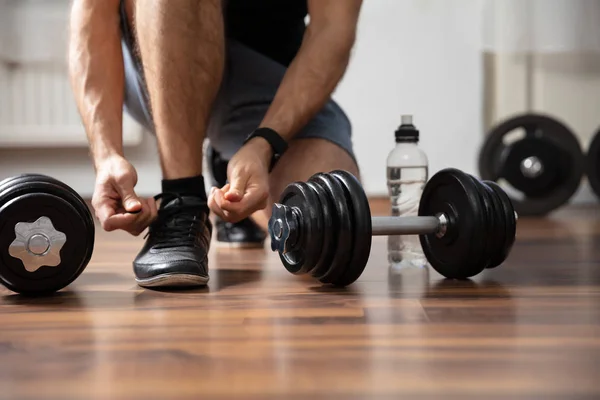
<point>240,245</point>
<point>173,280</point>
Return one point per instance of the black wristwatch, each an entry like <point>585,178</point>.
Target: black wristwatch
<point>278,144</point>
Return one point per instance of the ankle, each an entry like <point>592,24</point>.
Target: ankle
<point>186,186</point>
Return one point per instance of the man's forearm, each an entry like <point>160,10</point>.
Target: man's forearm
<point>310,79</point>
<point>96,73</point>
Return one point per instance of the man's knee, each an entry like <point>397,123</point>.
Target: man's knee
<point>306,157</point>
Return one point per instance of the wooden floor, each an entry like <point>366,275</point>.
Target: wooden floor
<point>528,329</point>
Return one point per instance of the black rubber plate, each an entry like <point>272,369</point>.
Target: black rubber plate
<point>490,221</point>
<point>306,253</point>
<point>493,153</point>
<point>593,164</point>
<point>330,233</point>
<point>27,197</point>
<point>509,224</point>
<point>362,233</point>
<point>343,226</point>
<point>458,254</point>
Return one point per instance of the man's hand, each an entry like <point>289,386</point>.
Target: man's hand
<point>248,187</point>
<point>115,202</point>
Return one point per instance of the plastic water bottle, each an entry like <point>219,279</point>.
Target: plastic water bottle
<point>407,173</point>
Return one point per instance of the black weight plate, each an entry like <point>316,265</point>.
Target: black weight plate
<point>74,254</point>
<point>39,183</point>
<point>508,217</point>
<point>330,231</point>
<point>458,253</point>
<point>593,164</point>
<point>362,232</point>
<point>10,181</point>
<point>491,231</point>
<point>42,193</point>
<point>305,254</point>
<point>342,223</point>
<point>498,231</point>
<point>494,151</point>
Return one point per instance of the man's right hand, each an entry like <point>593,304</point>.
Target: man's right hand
<point>115,202</point>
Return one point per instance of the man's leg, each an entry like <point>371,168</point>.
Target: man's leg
<point>182,52</point>
<point>179,62</point>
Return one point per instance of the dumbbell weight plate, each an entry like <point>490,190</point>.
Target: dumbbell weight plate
<point>509,224</point>
<point>31,198</point>
<point>546,165</point>
<point>362,230</point>
<point>305,253</point>
<point>330,234</point>
<point>493,233</point>
<point>342,227</point>
<point>76,199</point>
<point>593,164</point>
<point>458,253</point>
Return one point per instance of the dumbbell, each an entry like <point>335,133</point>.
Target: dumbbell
<point>46,234</point>
<point>323,227</point>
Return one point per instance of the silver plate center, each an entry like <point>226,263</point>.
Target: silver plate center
<point>443,225</point>
<point>37,244</point>
<point>532,167</point>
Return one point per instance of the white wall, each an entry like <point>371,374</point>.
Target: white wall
<point>422,57</point>
<point>419,57</point>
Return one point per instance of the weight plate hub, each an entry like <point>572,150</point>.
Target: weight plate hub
<point>46,234</point>
<point>535,166</point>
<point>593,164</point>
<point>546,165</point>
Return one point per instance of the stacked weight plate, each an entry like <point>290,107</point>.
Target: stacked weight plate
<point>481,229</point>
<point>46,234</point>
<point>331,236</point>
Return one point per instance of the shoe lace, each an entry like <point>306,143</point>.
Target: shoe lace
<point>176,225</point>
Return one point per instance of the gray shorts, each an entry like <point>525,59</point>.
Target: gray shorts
<point>249,85</point>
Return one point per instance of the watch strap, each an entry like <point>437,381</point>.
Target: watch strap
<point>278,144</point>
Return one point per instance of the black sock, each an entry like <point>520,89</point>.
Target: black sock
<point>193,185</point>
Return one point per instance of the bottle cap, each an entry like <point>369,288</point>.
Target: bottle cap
<point>407,132</point>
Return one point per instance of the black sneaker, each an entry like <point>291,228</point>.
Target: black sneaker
<point>177,244</point>
<point>244,233</point>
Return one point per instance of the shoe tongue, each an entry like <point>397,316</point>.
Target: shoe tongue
<point>177,218</point>
<point>184,201</point>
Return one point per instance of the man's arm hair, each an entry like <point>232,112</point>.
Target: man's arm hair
<point>317,68</point>
<point>96,73</point>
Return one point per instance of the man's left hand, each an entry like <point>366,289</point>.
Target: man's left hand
<point>248,187</point>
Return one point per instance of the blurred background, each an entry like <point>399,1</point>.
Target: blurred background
<point>458,66</point>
